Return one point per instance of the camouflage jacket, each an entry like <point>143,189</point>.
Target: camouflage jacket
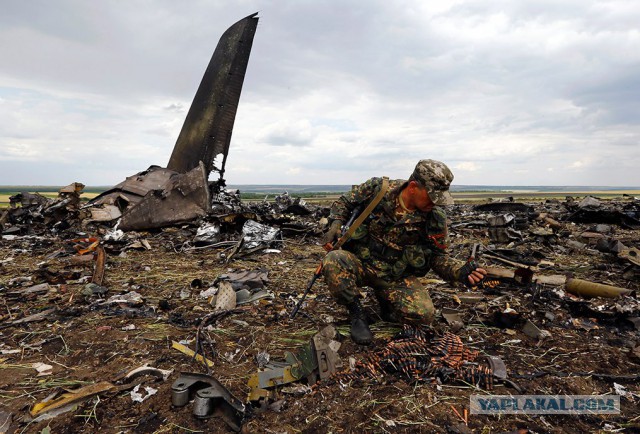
<point>394,245</point>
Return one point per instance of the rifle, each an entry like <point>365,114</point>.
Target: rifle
<point>329,248</point>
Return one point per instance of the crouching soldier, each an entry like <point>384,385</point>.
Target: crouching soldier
<point>403,237</point>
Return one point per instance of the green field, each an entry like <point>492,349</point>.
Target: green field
<point>49,192</point>
<point>468,196</point>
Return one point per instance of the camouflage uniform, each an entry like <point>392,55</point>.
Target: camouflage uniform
<point>387,251</point>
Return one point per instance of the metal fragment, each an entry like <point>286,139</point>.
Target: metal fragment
<point>98,271</point>
<point>56,400</point>
<point>183,198</point>
<point>210,399</point>
<point>189,352</point>
<point>498,367</point>
<point>632,255</point>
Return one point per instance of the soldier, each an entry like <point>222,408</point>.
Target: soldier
<point>404,236</point>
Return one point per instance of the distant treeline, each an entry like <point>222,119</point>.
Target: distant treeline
<point>271,196</point>
<point>291,189</point>
<point>15,189</point>
<point>306,190</point>
<point>319,190</point>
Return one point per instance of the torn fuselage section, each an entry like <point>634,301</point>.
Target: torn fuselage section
<point>159,197</point>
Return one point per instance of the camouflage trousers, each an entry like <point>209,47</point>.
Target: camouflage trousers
<point>405,300</point>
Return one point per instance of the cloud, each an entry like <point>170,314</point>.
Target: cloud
<point>469,166</point>
<point>334,93</point>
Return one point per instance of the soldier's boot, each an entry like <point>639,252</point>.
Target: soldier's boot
<point>360,333</point>
<point>386,311</point>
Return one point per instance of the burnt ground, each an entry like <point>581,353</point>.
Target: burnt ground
<point>591,344</point>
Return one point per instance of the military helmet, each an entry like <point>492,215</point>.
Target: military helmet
<point>436,177</point>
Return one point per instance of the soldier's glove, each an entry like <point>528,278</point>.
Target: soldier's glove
<point>332,234</point>
<point>465,271</point>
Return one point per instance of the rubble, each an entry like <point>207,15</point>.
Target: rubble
<point>545,336</point>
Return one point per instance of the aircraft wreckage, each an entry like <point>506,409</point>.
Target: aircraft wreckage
<point>181,192</point>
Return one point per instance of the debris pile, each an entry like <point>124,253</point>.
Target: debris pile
<point>83,307</point>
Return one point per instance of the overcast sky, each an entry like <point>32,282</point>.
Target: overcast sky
<point>508,92</point>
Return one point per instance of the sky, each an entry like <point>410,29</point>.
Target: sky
<point>504,92</point>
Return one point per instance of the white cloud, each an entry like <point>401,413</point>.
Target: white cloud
<point>468,166</point>
<point>334,93</point>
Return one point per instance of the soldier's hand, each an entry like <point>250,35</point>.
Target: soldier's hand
<point>470,274</point>
<point>332,233</point>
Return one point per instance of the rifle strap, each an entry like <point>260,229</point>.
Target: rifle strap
<point>376,200</point>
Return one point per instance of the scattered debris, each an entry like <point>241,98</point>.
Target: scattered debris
<point>42,368</point>
<point>318,360</point>
<point>210,399</point>
<point>5,421</point>
<point>58,402</point>
<point>136,396</point>
<point>191,353</point>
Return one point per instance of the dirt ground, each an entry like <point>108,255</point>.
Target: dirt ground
<point>591,344</point>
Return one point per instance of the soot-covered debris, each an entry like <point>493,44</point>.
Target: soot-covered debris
<point>524,332</point>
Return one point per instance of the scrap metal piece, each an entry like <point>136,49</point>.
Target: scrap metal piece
<point>275,375</point>
<point>504,234</point>
<point>256,235</point>
<point>501,220</point>
<point>73,188</point>
<point>453,318</point>
<point>206,132</point>
<point>40,316</point>
<point>39,289</point>
<point>635,321</point>
<point>247,279</point>
<point>326,349</point>
<point>588,215</point>
<point>189,352</point>
<point>131,191</point>
<point>611,245</point>
<point>159,374</point>
<point>98,271</point>
<point>263,384</point>
<point>632,255</point>
<point>5,421</point>
<point>498,367</point>
<point>184,197</point>
<point>531,330</point>
<point>56,401</point>
<point>590,202</point>
<point>211,399</point>
<point>226,297</point>
<point>106,213</point>
<point>505,207</point>
<point>207,233</point>
<point>86,245</point>
<point>155,198</point>
<point>317,360</point>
